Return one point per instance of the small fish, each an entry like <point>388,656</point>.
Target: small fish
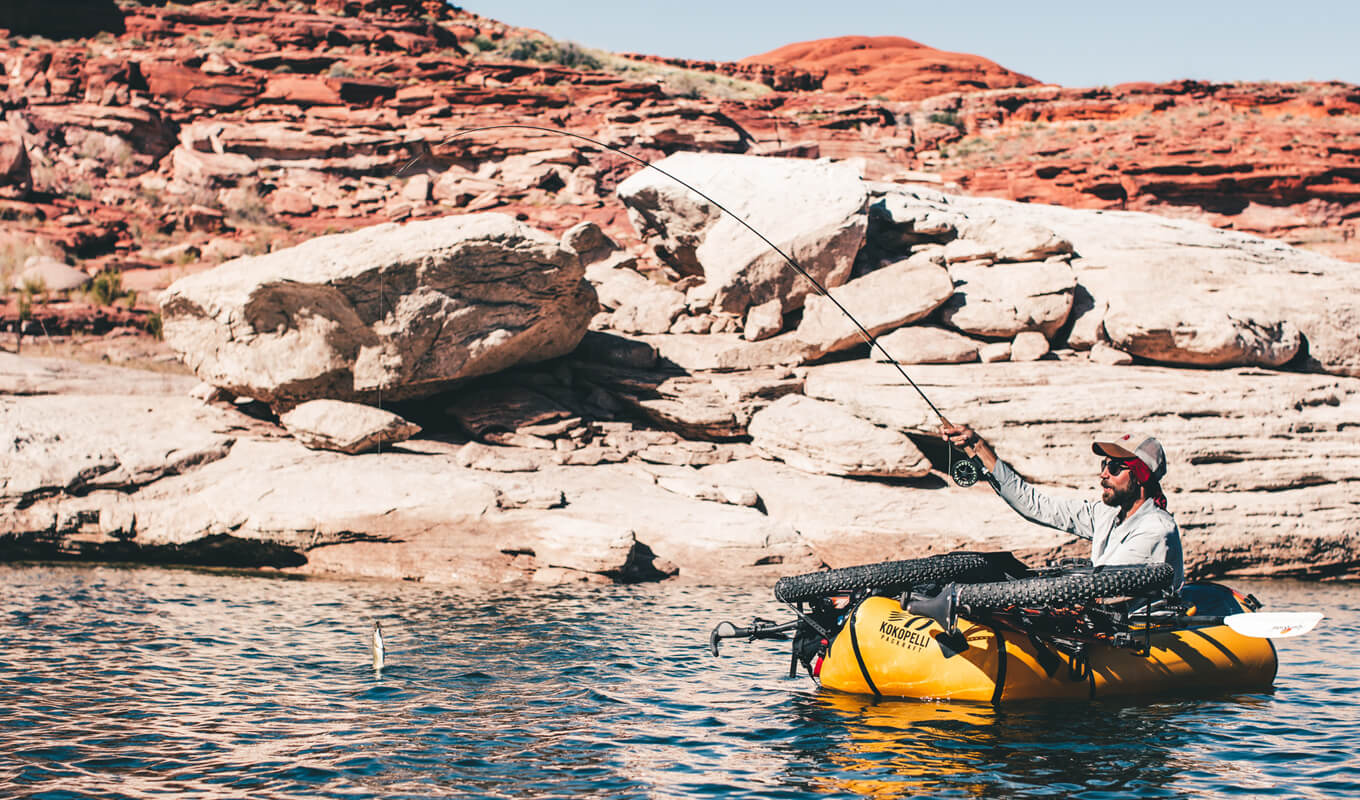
<point>379,652</point>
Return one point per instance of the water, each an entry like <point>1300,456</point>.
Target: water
<point>143,682</point>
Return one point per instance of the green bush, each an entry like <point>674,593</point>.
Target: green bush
<point>547,51</point>
<point>689,85</point>
<point>947,118</point>
<point>106,287</point>
<point>570,54</point>
<point>33,287</point>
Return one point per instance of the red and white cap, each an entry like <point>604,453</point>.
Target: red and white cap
<point>1149,451</point>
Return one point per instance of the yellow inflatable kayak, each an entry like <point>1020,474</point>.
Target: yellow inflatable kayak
<point>984,627</point>
<point>883,650</point>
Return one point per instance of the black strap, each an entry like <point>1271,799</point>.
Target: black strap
<point>1000,666</point>
<point>854,645</point>
<point>1047,659</point>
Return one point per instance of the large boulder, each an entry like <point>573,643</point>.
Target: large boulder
<point>391,312</point>
<point>1181,292</point>
<point>639,305</point>
<point>1005,299</point>
<point>928,344</point>
<point>823,438</point>
<point>1185,334</point>
<point>812,210</point>
<point>887,298</point>
<point>346,427</point>
<point>50,275</point>
<point>1003,239</point>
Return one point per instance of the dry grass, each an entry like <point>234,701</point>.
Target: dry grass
<point>676,81</point>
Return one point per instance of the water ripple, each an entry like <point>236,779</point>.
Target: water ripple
<point>143,682</point>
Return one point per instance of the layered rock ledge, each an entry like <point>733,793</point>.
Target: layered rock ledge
<point>703,453</point>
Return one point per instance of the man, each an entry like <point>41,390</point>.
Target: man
<point>1130,524</point>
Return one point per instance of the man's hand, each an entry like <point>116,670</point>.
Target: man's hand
<point>968,440</point>
<point>960,436</point>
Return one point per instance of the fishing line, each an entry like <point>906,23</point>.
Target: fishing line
<point>822,290</point>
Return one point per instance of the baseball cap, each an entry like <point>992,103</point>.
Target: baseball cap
<point>1149,451</point>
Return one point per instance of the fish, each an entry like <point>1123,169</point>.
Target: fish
<point>379,651</point>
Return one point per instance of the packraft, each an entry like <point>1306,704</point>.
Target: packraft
<point>984,627</point>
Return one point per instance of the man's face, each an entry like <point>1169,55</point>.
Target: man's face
<point>1117,490</point>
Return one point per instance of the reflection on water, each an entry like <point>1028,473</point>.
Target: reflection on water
<point>914,748</point>
<point>139,682</point>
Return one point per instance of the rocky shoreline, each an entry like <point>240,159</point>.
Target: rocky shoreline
<point>719,428</point>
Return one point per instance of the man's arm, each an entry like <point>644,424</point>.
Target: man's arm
<point>1074,516</point>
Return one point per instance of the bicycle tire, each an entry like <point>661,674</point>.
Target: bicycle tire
<point>1073,589</point>
<point>889,576</point>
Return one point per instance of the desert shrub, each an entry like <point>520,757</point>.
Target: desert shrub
<point>340,70</point>
<point>522,48</point>
<point>33,287</point>
<point>947,118</point>
<point>548,51</point>
<point>685,84</point>
<point>674,80</point>
<point>155,325</point>
<point>106,287</point>
<point>571,54</point>
<point>245,206</point>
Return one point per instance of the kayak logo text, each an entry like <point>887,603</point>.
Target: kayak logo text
<point>902,637</point>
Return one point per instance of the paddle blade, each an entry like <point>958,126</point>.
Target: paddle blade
<point>1273,624</point>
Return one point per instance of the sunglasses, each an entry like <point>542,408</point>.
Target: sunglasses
<point>1115,466</point>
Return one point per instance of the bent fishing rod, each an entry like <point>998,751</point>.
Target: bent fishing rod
<point>964,473</point>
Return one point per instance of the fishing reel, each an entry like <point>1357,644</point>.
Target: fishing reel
<point>966,471</point>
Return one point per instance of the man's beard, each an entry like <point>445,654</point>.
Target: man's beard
<point>1111,496</point>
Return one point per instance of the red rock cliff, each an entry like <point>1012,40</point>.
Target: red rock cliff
<point>186,134</point>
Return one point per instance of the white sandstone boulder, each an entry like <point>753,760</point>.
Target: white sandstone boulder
<point>397,311</point>
<point>822,438</point>
<point>345,427</point>
<point>813,210</point>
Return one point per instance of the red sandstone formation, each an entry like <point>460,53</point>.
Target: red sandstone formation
<point>1279,160</point>
<point>184,135</point>
<point>891,67</point>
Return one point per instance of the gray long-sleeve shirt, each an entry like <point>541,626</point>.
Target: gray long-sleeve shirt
<point>1148,536</point>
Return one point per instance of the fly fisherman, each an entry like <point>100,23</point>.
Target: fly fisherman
<point>1130,524</point>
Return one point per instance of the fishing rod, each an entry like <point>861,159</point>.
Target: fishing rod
<point>965,472</point>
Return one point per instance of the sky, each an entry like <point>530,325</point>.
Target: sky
<point>1079,44</point>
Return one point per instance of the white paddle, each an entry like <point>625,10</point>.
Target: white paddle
<point>1273,624</point>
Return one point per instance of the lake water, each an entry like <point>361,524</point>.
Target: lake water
<point>142,682</point>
